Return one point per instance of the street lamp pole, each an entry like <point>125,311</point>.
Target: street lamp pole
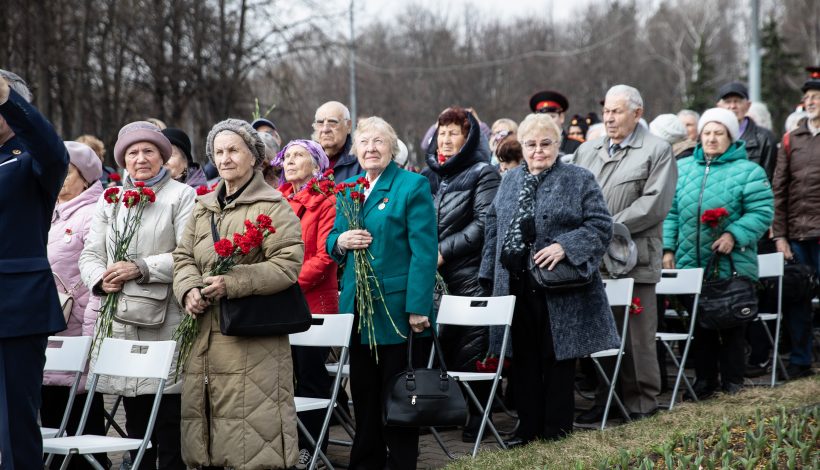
<point>352,70</point>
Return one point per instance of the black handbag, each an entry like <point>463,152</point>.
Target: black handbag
<point>282,313</point>
<point>424,397</point>
<point>726,303</point>
<point>563,276</point>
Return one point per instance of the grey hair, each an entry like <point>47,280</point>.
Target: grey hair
<point>632,95</point>
<point>17,84</point>
<point>538,122</point>
<point>345,111</point>
<point>690,113</point>
<point>794,119</point>
<point>377,124</point>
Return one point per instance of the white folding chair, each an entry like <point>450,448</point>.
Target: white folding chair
<point>619,294</point>
<point>342,417</point>
<point>680,282</point>
<point>771,265</point>
<point>120,358</point>
<point>66,354</point>
<point>479,311</point>
<point>326,331</point>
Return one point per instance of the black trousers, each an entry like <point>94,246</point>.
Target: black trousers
<point>543,386</point>
<point>55,399</point>
<point>720,352</point>
<point>21,375</point>
<point>368,382</point>
<point>312,380</point>
<point>165,439</point>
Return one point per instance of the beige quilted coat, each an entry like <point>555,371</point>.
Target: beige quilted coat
<point>237,398</point>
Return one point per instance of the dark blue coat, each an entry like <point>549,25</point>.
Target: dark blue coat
<point>347,166</point>
<point>33,165</point>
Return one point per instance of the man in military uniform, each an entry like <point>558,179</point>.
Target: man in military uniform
<point>555,104</point>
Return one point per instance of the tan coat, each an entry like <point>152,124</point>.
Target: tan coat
<point>237,400</point>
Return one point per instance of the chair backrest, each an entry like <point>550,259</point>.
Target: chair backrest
<point>619,291</point>
<point>456,310</point>
<point>680,281</point>
<point>770,265</point>
<point>326,330</point>
<point>67,353</point>
<point>143,359</point>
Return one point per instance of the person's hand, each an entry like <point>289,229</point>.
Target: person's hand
<point>117,274</point>
<point>4,90</point>
<point>669,260</point>
<point>195,304</point>
<point>549,257</point>
<point>355,240</point>
<point>725,244</point>
<point>440,259</point>
<point>216,288</point>
<point>782,245</point>
<point>419,322</point>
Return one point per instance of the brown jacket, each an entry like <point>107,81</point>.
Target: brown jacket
<point>237,399</point>
<point>796,186</point>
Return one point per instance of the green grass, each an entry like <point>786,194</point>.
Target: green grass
<point>591,449</point>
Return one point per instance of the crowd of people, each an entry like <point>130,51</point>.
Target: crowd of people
<point>493,204</point>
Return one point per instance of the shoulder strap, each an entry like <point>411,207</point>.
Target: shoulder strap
<point>214,232</point>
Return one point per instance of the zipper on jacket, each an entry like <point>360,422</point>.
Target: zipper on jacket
<point>700,209</point>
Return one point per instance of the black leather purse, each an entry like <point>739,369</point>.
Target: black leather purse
<point>424,397</point>
<point>726,303</point>
<point>281,313</point>
<point>563,276</point>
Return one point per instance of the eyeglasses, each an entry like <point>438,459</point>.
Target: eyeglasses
<point>330,122</point>
<point>532,146</point>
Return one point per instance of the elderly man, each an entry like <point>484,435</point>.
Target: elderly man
<point>33,165</point>
<point>555,104</point>
<point>268,127</point>
<point>331,128</point>
<point>637,174</point>
<point>689,119</point>
<point>796,225</point>
<point>760,144</point>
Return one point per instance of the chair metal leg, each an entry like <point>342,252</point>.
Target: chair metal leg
<point>109,419</point>
<point>441,444</point>
<point>316,448</point>
<point>485,421</point>
<point>776,351</point>
<point>93,462</point>
<point>613,395</point>
<point>681,375</point>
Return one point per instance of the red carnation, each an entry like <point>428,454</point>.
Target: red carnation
<point>714,217</point>
<point>254,236</point>
<point>130,198</point>
<point>202,190</point>
<point>224,248</point>
<point>264,221</point>
<point>112,195</point>
<point>354,195</point>
<point>114,177</point>
<point>140,184</point>
<point>328,173</point>
<point>441,159</point>
<point>635,308</point>
<point>149,193</point>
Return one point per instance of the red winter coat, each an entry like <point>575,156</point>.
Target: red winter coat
<point>318,276</point>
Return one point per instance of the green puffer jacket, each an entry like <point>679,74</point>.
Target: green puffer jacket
<point>729,181</point>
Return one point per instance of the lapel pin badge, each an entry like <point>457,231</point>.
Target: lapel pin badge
<point>382,204</point>
<point>16,152</point>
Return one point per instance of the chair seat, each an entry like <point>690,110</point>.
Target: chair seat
<point>48,432</point>
<point>89,444</point>
<point>605,353</point>
<point>471,376</point>
<point>767,316</point>
<point>332,368</point>
<point>671,336</point>
<point>309,404</point>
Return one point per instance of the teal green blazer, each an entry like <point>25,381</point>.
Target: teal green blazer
<point>399,215</point>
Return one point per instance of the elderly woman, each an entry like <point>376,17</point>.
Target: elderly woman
<point>69,231</point>
<point>458,158</point>
<point>302,161</point>
<point>237,402</point>
<point>718,175</point>
<point>400,233</point>
<point>142,150</point>
<point>181,164</point>
<point>554,213</point>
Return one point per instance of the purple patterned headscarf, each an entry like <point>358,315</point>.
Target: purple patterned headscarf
<point>315,150</point>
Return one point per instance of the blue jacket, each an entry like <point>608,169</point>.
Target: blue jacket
<point>347,165</point>
<point>399,215</point>
<point>33,165</point>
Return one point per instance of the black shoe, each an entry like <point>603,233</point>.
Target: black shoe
<point>516,442</point>
<point>797,371</point>
<point>756,370</point>
<point>704,389</point>
<point>639,416</point>
<point>470,431</point>
<point>590,416</point>
<point>732,388</point>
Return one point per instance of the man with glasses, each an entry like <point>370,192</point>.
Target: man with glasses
<point>796,225</point>
<point>555,105</point>
<point>637,174</point>
<point>331,129</point>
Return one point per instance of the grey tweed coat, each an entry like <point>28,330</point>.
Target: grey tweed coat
<point>569,210</point>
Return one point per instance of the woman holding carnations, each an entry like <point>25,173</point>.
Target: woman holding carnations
<point>385,228</point>
<point>309,190</point>
<point>147,266</point>
<point>459,157</point>
<point>723,204</point>
<point>70,225</point>
<point>237,401</point>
